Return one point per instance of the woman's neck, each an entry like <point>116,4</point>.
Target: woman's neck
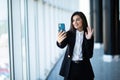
<point>80,29</point>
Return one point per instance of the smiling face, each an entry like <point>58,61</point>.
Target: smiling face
<point>77,22</point>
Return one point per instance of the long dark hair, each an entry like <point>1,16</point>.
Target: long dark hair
<point>84,20</point>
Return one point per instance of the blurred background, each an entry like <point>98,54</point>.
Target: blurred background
<point>28,32</point>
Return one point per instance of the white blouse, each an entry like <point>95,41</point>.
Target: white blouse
<point>77,52</point>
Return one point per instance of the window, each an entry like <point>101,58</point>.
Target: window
<point>4,47</point>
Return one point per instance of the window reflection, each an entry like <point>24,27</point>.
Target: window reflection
<point>4,49</point>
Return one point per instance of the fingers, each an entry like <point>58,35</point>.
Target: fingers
<point>89,29</point>
<point>61,39</point>
<point>61,33</point>
<point>89,33</point>
<point>61,36</point>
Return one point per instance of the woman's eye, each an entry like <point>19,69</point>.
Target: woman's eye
<point>78,19</point>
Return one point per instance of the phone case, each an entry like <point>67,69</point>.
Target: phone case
<point>61,27</point>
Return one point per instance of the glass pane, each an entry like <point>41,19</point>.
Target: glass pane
<point>23,39</point>
<point>4,47</point>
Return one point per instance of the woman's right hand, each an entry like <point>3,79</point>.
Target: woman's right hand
<point>61,36</point>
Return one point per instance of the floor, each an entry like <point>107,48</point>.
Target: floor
<point>105,67</point>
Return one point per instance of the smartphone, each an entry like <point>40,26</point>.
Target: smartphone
<point>61,27</point>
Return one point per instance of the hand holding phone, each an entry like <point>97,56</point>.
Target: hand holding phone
<point>61,27</point>
<point>61,32</point>
<point>61,36</point>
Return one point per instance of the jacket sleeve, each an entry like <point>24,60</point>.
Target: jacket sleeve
<point>89,45</point>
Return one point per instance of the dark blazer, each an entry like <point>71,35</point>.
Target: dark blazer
<point>87,50</point>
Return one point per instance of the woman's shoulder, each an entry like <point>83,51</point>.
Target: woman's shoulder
<point>70,33</point>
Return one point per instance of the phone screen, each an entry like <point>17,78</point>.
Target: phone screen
<point>61,27</point>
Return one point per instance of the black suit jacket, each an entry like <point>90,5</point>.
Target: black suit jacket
<point>87,50</point>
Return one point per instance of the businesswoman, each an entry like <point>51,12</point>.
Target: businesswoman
<point>79,40</point>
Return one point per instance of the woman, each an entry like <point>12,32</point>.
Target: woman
<point>79,40</point>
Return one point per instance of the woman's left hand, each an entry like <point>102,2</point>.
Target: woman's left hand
<point>89,33</point>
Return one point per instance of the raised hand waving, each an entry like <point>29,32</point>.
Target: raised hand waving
<point>89,33</point>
